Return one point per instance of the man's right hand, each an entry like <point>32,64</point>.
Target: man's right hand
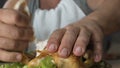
<point>15,34</point>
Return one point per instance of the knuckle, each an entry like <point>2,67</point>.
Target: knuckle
<point>15,33</point>
<point>86,35</point>
<point>81,44</point>
<point>96,29</point>
<point>16,18</point>
<point>86,30</point>
<point>72,31</point>
<point>14,45</point>
<point>9,15</point>
<point>22,45</point>
<point>57,32</point>
<point>84,41</point>
<point>3,41</point>
<point>23,33</point>
<point>53,40</point>
<point>69,27</point>
<point>18,33</point>
<point>98,47</point>
<point>29,32</point>
<point>19,45</point>
<point>7,44</point>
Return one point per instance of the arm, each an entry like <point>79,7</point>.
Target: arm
<point>107,16</point>
<point>77,36</point>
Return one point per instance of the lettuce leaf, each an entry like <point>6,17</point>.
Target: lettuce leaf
<point>47,62</point>
<point>12,65</point>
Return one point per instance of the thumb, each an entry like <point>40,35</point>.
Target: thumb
<point>20,5</point>
<point>10,3</point>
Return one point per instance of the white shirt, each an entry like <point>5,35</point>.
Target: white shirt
<point>46,21</point>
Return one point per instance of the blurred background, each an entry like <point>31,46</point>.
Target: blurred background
<point>113,54</point>
<point>111,46</point>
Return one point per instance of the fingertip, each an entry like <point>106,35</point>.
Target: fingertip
<point>14,57</point>
<point>64,53</point>
<point>78,51</point>
<point>18,57</point>
<point>52,48</point>
<point>10,56</point>
<point>97,57</point>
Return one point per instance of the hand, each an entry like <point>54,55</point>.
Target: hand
<point>75,38</point>
<point>15,33</point>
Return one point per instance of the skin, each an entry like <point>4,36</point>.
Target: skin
<point>15,33</point>
<point>74,38</point>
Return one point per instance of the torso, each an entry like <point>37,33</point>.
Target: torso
<point>44,4</point>
<point>49,18</point>
<point>91,4</point>
<point>48,4</point>
<point>46,21</point>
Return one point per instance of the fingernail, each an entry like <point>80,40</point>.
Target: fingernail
<point>19,57</point>
<point>52,48</point>
<point>97,58</point>
<point>78,51</point>
<point>64,52</point>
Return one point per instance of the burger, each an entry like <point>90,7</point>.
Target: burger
<point>44,59</point>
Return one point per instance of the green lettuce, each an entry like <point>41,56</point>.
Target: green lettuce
<point>47,62</point>
<point>44,63</point>
<point>12,65</point>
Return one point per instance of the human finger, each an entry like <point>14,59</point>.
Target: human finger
<point>55,40</point>
<point>13,45</point>
<point>98,43</point>
<point>14,32</point>
<point>10,56</point>
<point>68,41</point>
<point>82,42</point>
<point>14,17</point>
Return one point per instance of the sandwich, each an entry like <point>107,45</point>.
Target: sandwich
<point>52,60</point>
<point>46,59</point>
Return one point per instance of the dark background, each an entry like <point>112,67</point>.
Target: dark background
<point>2,3</point>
